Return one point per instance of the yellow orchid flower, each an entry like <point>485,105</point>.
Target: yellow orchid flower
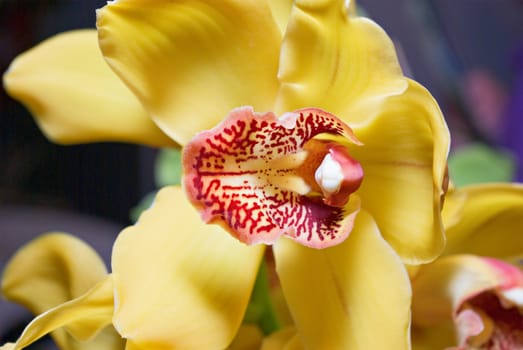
<point>62,279</point>
<point>327,94</point>
<point>472,297</point>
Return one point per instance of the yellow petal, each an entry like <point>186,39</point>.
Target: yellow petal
<point>281,10</point>
<point>85,315</point>
<point>131,346</point>
<point>190,63</point>
<point>342,296</point>
<point>435,337</point>
<point>490,221</point>
<point>336,62</point>
<point>75,97</point>
<point>180,283</point>
<point>405,146</point>
<point>453,207</point>
<point>249,337</point>
<point>279,340</point>
<point>51,270</point>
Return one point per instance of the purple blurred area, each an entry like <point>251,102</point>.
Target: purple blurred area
<point>468,53</point>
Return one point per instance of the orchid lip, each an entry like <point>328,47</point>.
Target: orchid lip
<point>255,174</point>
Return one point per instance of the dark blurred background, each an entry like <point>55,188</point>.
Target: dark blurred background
<point>98,179</point>
<point>468,53</point>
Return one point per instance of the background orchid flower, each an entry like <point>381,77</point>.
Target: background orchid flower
<point>471,298</point>
<point>65,282</point>
<point>190,65</point>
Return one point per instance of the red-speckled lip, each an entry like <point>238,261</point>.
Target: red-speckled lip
<point>244,174</point>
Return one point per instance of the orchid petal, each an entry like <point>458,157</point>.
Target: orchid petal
<point>440,336</point>
<point>453,207</point>
<point>51,270</point>
<point>242,175</point>
<point>129,345</point>
<point>441,287</point>
<point>490,221</point>
<point>279,340</point>
<point>480,297</point>
<point>75,97</point>
<point>340,63</point>
<point>281,11</point>
<point>404,152</point>
<point>190,63</point>
<point>340,296</point>
<point>249,337</point>
<point>85,316</point>
<point>191,278</point>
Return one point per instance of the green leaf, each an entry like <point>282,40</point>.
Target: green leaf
<point>144,204</point>
<point>168,167</point>
<point>260,309</point>
<point>478,163</point>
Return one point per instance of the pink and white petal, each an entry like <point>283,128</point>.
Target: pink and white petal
<point>191,62</point>
<point>479,296</point>
<point>335,61</point>
<point>339,297</point>
<point>404,157</point>
<point>243,174</point>
<point>469,325</point>
<point>440,288</point>
<point>191,279</point>
<point>75,97</point>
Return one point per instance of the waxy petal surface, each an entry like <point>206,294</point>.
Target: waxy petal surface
<point>84,316</point>
<point>50,271</point>
<point>75,97</point>
<point>490,221</point>
<point>340,63</point>
<point>190,286</point>
<point>479,297</point>
<point>404,152</point>
<point>242,175</point>
<point>442,287</point>
<point>281,11</point>
<point>341,296</point>
<point>279,340</point>
<point>190,63</point>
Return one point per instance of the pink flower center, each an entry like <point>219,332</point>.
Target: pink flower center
<point>501,323</point>
<point>261,176</point>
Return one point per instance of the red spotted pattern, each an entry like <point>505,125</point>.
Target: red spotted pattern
<point>229,178</point>
<point>507,332</point>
